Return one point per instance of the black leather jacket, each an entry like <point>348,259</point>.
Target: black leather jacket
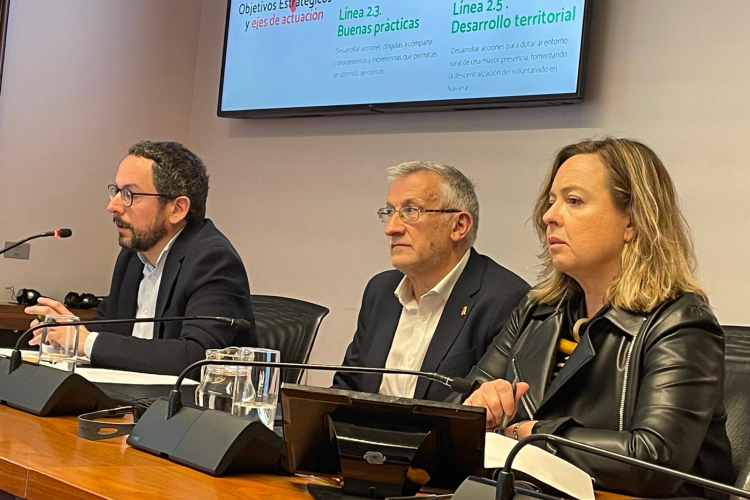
<point>648,386</point>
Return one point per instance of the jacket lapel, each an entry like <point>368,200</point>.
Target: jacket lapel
<point>452,320</point>
<point>377,354</point>
<point>171,270</point>
<point>580,356</point>
<point>533,356</point>
<point>626,322</point>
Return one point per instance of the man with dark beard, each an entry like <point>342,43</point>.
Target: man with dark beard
<point>174,262</point>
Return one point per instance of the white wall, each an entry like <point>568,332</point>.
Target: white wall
<point>86,78</point>
<point>83,80</point>
<point>298,196</point>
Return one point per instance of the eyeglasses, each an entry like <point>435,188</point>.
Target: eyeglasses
<point>126,194</point>
<point>410,214</point>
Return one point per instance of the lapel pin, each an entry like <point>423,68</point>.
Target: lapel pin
<point>463,311</point>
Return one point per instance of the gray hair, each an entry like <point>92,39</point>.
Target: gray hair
<point>457,190</point>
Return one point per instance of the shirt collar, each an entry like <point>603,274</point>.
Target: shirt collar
<point>405,292</point>
<point>162,255</point>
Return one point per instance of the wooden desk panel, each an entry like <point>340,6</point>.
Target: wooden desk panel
<point>13,478</point>
<point>168,483</point>
<point>45,458</point>
<point>14,454</point>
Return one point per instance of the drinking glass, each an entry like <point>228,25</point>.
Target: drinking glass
<point>216,387</point>
<point>257,389</point>
<point>59,343</point>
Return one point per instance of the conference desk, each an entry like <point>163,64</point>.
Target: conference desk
<point>43,458</point>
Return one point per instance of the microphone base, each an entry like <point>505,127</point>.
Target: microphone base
<point>479,488</point>
<point>506,488</point>
<point>210,441</point>
<point>321,492</point>
<point>45,391</point>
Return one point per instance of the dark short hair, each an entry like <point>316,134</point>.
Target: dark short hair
<point>177,172</point>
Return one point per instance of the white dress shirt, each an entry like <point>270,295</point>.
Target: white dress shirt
<point>148,292</point>
<point>415,330</point>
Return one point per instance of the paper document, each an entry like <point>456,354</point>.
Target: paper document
<point>105,376</point>
<point>25,353</point>
<point>540,464</point>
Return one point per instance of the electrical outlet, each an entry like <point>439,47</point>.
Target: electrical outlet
<point>20,252</point>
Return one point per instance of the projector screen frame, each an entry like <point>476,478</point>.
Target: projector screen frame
<point>466,104</point>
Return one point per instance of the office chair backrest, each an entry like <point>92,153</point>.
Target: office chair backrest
<point>743,480</point>
<point>288,325</point>
<point>737,397</point>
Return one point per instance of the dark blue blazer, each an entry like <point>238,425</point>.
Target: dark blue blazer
<point>488,291</point>
<point>203,275</point>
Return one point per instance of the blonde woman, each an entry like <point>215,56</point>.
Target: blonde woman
<point>617,347</point>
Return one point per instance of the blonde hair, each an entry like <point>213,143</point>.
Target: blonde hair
<point>658,263</point>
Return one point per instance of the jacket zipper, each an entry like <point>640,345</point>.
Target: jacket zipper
<point>526,404</point>
<point>625,385</point>
<point>625,378</point>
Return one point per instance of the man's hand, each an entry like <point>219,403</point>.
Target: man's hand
<point>497,397</point>
<point>47,306</point>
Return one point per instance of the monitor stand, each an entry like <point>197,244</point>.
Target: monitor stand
<point>377,459</point>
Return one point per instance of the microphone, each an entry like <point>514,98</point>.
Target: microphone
<point>506,480</point>
<point>457,384</point>
<point>57,233</point>
<point>43,390</point>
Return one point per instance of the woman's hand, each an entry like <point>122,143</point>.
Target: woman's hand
<point>524,429</point>
<point>497,397</point>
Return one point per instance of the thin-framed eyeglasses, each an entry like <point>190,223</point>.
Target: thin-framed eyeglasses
<point>411,214</point>
<point>126,194</point>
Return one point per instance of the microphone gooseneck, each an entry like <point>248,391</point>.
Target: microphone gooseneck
<point>505,483</point>
<point>57,233</point>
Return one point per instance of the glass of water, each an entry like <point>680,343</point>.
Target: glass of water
<point>59,343</point>
<point>257,389</point>
<point>217,383</point>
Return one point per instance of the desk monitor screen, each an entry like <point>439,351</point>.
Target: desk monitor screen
<point>319,57</point>
<point>381,445</point>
